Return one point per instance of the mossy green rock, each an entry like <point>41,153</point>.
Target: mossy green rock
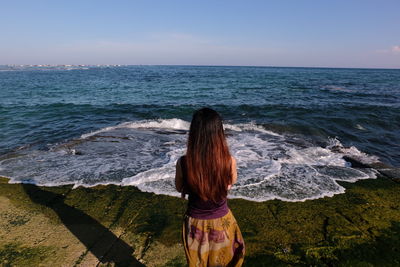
<point>122,226</point>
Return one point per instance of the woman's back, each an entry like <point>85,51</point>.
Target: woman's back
<point>211,235</point>
<point>199,208</point>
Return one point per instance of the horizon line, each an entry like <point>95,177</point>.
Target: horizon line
<point>193,65</point>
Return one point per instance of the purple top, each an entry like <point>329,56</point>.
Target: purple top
<point>200,209</point>
<point>206,210</point>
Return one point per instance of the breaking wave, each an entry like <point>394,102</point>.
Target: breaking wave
<point>144,153</point>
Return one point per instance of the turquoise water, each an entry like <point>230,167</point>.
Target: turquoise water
<point>128,124</point>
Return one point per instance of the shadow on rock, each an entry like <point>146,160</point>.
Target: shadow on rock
<point>100,241</point>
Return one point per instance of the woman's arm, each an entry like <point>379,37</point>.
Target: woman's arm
<point>234,173</point>
<point>178,176</point>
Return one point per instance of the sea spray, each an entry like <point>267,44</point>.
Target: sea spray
<point>144,154</point>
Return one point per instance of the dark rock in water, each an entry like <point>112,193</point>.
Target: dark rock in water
<point>382,168</point>
<point>379,165</point>
<point>336,149</point>
<point>355,162</point>
<point>392,173</point>
<point>75,152</point>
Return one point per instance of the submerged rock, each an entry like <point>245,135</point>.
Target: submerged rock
<point>382,168</point>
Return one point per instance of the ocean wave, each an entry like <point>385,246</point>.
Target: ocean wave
<point>144,153</point>
<point>176,124</point>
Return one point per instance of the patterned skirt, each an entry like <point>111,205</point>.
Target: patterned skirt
<point>214,242</point>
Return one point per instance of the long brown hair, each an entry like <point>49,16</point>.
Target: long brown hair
<point>208,161</point>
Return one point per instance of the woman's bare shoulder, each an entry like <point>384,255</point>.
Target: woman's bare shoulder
<point>234,171</point>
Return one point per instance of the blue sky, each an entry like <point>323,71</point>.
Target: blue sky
<point>315,33</point>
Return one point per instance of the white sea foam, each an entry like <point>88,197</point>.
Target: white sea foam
<point>144,154</point>
<point>248,126</point>
<point>352,151</point>
<point>360,127</point>
<point>176,124</point>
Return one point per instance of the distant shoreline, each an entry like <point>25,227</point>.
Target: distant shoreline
<point>190,65</point>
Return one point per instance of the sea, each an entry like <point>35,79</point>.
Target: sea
<point>290,129</point>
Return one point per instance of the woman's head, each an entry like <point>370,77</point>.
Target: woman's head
<point>208,159</point>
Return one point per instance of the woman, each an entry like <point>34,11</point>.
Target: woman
<point>211,236</point>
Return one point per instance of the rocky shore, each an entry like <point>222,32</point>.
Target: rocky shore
<point>122,226</point>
